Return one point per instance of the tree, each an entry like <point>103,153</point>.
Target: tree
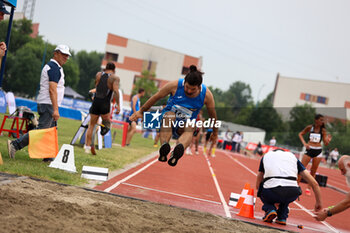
<point>146,81</point>
<point>300,117</point>
<point>21,29</point>
<point>23,69</point>
<point>238,95</point>
<point>266,117</point>
<point>223,112</point>
<point>89,64</point>
<point>71,73</point>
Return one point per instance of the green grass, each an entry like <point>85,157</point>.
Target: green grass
<point>113,158</point>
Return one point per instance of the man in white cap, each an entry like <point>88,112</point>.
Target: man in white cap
<point>50,97</point>
<point>344,167</point>
<point>3,11</point>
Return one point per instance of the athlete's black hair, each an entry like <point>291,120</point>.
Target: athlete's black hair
<point>141,90</point>
<point>110,66</point>
<point>194,77</point>
<point>318,116</point>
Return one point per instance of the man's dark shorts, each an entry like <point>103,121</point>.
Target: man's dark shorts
<point>100,107</point>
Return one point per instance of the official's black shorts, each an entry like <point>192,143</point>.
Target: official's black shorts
<point>100,106</point>
<point>313,152</point>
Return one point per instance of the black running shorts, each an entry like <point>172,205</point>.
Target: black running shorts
<point>100,106</point>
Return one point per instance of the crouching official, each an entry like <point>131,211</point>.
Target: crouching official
<point>277,184</point>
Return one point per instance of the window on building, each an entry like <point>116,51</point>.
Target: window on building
<point>307,97</point>
<point>111,57</point>
<point>321,99</point>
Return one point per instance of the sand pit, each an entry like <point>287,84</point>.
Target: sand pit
<point>29,205</point>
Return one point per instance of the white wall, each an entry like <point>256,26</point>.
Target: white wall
<point>288,91</point>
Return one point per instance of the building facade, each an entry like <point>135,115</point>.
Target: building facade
<point>331,99</point>
<point>131,57</point>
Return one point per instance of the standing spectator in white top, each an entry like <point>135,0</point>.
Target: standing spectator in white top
<point>273,141</point>
<point>227,139</point>
<point>334,156</point>
<point>236,141</point>
<point>50,97</point>
<point>277,184</point>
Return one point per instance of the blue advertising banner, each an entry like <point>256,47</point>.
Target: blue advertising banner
<point>11,2</point>
<point>76,104</point>
<point>2,102</point>
<point>64,112</point>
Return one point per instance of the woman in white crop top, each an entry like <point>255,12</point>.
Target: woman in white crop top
<point>317,133</point>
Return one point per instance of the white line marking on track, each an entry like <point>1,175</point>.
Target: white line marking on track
<point>129,176</point>
<point>222,199</point>
<point>310,213</point>
<point>175,194</point>
<point>299,205</point>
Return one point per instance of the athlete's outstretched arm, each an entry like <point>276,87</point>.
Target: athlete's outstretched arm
<point>163,92</point>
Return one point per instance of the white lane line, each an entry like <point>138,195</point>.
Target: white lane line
<point>299,205</point>
<point>222,199</point>
<point>310,213</point>
<point>240,164</point>
<point>174,194</point>
<point>116,184</point>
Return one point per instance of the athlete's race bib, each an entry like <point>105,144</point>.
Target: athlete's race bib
<point>181,112</point>
<point>315,137</point>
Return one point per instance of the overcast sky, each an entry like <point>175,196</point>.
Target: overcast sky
<point>239,40</point>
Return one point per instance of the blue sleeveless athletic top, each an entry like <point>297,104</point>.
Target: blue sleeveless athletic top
<point>183,106</point>
<point>137,106</point>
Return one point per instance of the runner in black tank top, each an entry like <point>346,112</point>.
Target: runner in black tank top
<point>317,133</point>
<point>106,84</point>
<point>102,101</point>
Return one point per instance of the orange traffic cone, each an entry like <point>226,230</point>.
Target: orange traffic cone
<point>247,209</point>
<point>243,196</point>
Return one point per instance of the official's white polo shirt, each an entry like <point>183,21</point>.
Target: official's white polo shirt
<point>52,72</point>
<point>280,164</point>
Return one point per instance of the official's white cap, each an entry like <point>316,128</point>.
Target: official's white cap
<point>63,49</point>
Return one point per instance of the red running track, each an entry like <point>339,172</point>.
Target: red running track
<point>205,184</point>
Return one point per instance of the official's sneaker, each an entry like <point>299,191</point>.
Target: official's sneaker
<point>269,216</point>
<point>46,160</point>
<point>213,155</point>
<point>155,145</point>
<point>11,149</point>
<point>163,152</point>
<point>281,221</point>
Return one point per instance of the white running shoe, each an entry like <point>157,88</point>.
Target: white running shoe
<point>87,149</point>
<point>188,151</point>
